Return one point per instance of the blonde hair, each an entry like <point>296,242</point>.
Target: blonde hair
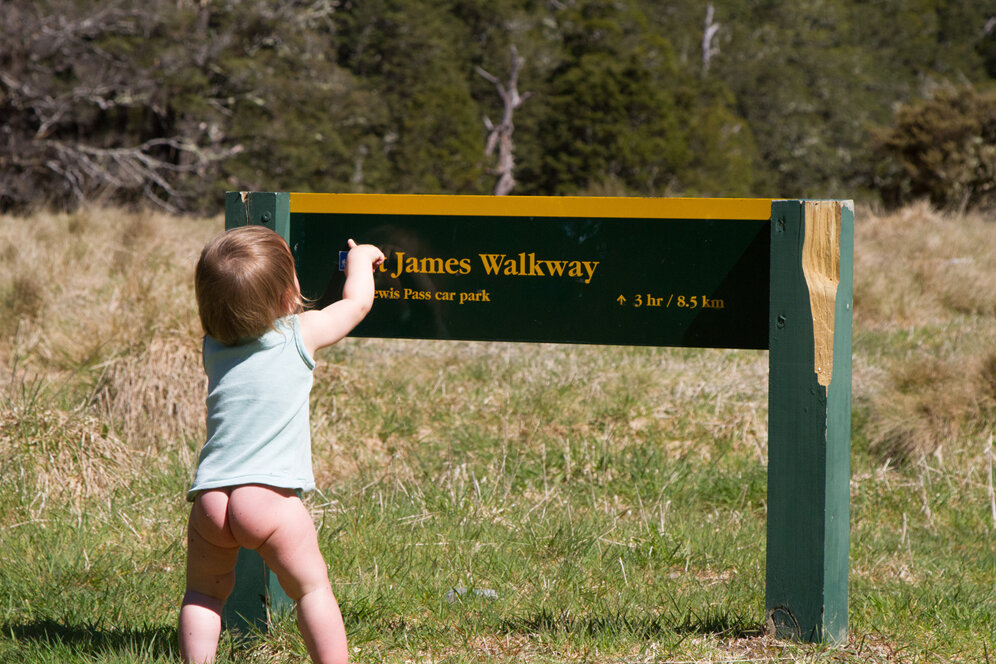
<point>245,282</point>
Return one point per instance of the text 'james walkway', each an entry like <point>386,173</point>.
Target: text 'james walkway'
<point>517,265</point>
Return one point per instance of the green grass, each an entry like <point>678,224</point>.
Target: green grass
<point>589,504</point>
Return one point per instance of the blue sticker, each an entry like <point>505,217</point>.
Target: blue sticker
<point>342,260</point>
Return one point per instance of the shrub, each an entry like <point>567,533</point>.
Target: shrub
<point>942,149</point>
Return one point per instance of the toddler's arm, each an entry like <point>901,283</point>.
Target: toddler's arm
<point>324,327</point>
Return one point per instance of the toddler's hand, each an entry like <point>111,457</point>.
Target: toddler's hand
<point>366,251</point>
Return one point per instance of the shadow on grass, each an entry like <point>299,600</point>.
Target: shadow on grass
<point>641,626</point>
<point>94,639</point>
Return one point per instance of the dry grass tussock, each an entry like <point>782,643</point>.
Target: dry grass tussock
<point>82,288</point>
<point>158,394</point>
<point>62,458</point>
<point>925,320</point>
<point>97,311</point>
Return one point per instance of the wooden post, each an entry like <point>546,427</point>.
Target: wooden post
<point>257,596</point>
<point>809,406</point>
<point>258,208</point>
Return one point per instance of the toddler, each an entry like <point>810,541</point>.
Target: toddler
<point>258,353</point>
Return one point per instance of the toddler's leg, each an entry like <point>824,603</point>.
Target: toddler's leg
<point>277,524</point>
<point>211,555</point>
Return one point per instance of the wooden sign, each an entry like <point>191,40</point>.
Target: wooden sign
<point>514,273</point>
<point>714,273</point>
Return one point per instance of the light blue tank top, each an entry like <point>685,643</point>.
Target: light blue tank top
<point>258,429</point>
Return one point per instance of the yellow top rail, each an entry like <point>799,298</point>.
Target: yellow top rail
<point>533,206</point>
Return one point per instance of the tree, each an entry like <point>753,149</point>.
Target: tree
<point>418,58</point>
<point>608,112</point>
<point>307,123</point>
<point>84,115</point>
<point>500,135</point>
<point>942,148</point>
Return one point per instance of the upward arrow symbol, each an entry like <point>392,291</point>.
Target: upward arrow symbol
<point>621,300</point>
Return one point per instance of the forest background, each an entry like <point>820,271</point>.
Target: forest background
<point>175,102</point>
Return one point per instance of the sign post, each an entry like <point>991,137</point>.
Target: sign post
<point>809,419</point>
<point>705,273</point>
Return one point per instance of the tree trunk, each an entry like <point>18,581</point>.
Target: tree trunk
<point>500,135</point>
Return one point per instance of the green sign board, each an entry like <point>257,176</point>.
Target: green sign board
<point>675,282</point>
<point>720,273</point>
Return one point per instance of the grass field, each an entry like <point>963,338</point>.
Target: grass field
<point>484,502</point>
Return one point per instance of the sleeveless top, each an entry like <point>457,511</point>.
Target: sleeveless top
<point>258,429</point>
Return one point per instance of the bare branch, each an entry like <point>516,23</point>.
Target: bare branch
<point>709,48</point>
<point>500,135</point>
<point>488,76</point>
<point>89,169</point>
